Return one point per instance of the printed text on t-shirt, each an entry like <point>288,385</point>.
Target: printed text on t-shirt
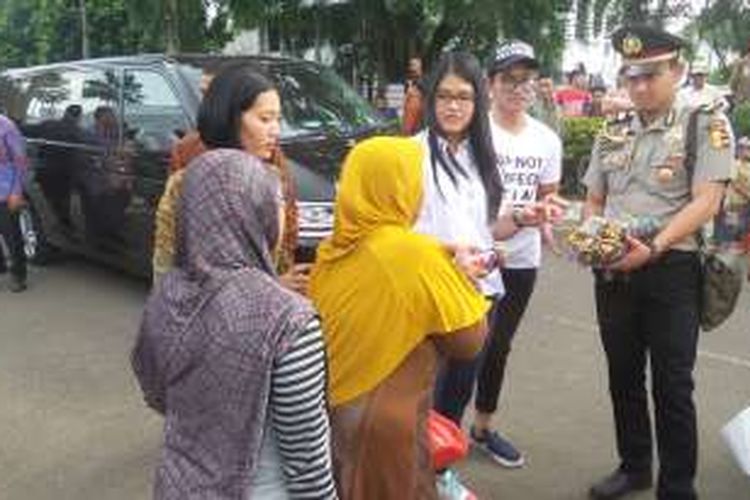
<point>520,176</point>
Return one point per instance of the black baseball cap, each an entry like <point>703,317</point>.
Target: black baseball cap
<point>509,53</point>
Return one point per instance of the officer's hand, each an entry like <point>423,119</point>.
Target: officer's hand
<point>555,207</point>
<point>638,255</point>
<point>540,212</point>
<point>15,202</point>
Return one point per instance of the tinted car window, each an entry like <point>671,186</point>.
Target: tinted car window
<point>314,100</point>
<point>89,94</point>
<point>154,117</point>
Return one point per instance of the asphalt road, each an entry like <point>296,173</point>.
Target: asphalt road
<point>72,424</point>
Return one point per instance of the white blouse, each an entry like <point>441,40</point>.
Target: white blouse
<point>456,213</point>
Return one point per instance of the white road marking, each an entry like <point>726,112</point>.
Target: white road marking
<point>591,327</point>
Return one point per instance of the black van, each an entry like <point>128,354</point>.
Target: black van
<point>99,134</point>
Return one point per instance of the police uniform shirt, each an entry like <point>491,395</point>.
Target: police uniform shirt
<point>640,169</point>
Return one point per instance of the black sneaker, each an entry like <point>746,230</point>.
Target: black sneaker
<point>619,484</point>
<point>498,448</point>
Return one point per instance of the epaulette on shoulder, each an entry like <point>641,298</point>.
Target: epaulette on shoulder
<point>616,128</point>
<point>620,119</point>
<point>710,108</point>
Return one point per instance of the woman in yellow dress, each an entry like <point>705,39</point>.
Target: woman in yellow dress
<point>391,302</point>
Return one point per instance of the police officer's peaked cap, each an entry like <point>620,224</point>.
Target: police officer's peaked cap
<point>641,46</point>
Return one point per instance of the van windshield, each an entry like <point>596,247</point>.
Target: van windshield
<point>314,99</point>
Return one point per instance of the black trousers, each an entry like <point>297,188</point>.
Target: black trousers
<point>653,313</point>
<point>519,285</point>
<point>10,230</point>
<point>456,379</point>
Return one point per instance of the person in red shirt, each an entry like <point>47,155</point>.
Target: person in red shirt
<point>575,99</point>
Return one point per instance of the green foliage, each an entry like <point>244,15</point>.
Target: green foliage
<point>177,25</point>
<point>42,31</point>
<point>578,139</point>
<point>373,38</point>
<point>741,120</point>
<point>378,36</point>
<point>26,25</point>
<point>725,26</point>
<point>596,17</point>
<point>578,136</point>
<point>719,76</point>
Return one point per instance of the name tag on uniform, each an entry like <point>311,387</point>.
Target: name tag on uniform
<point>616,159</point>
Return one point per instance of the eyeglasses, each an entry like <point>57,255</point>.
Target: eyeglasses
<point>514,83</point>
<point>462,99</point>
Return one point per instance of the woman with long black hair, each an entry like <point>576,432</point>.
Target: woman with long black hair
<point>462,194</point>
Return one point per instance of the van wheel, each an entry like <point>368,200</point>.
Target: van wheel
<point>35,245</point>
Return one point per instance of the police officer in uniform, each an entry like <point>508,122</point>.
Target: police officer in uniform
<point>647,302</point>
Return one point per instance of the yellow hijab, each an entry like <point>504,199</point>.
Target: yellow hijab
<point>380,288</point>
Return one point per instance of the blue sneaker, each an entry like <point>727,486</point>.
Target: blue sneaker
<point>498,448</point>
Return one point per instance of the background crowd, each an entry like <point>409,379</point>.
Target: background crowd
<point>281,380</point>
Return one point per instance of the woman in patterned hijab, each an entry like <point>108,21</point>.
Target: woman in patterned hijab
<point>221,343</point>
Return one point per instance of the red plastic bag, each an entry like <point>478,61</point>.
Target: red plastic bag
<point>447,441</point>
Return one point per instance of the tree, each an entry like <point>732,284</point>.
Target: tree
<point>596,17</point>
<point>32,30</point>
<point>725,26</point>
<point>377,36</point>
<point>175,26</point>
<point>41,31</point>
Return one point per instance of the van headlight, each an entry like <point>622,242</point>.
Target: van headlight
<point>315,219</point>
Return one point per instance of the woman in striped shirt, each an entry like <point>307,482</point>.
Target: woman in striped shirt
<point>234,361</point>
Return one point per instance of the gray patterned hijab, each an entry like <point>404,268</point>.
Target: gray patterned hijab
<point>229,215</point>
<point>213,327</point>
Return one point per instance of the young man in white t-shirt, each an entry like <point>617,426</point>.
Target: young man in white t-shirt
<point>529,157</point>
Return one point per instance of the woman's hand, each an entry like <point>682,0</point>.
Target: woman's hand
<point>297,278</point>
<point>469,260</point>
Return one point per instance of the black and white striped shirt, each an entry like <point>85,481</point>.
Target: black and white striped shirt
<point>299,416</point>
